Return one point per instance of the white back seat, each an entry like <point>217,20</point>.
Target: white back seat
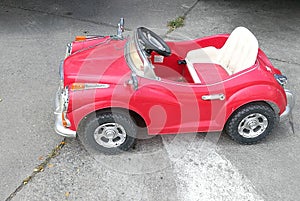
<point>238,53</point>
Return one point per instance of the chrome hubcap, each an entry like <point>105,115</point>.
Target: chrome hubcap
<point>110,135</point>
<point>253,125</point>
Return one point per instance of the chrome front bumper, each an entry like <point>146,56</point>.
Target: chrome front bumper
<point>290,104</point>
<point>59,128</point>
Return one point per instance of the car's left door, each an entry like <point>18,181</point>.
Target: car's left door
<point>173,107</point>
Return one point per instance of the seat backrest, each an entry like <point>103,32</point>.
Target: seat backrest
<point>239,52</point>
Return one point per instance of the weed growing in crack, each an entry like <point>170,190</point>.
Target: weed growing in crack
<point>176,23</point>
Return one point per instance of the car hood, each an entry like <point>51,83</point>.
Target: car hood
<point>102,62</point>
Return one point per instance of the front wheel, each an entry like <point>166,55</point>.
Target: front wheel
<point>109,133</point>
<point>251,123</point>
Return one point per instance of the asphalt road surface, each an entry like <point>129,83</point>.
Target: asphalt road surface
<point>33,35</point>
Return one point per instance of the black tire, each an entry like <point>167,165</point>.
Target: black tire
<point>103,125</point>
<point>251,123</point>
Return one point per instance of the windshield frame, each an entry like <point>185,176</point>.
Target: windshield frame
<point>135,55</point>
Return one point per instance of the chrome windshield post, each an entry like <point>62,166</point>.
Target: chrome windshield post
<point>148,68</point>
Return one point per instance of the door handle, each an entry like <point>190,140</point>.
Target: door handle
<point>214,97</point>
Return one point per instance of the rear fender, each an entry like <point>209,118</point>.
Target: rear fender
<point>271,95</point>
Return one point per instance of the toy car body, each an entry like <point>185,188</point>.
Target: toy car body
<point>110,85</point>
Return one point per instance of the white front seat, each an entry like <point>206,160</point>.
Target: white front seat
<point>238,53</point>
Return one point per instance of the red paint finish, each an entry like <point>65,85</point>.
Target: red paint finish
<point>174,103</point>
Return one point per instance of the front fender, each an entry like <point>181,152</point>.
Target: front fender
<point>76,116</point>
<point>84,102</point>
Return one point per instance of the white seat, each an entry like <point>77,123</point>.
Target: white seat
<point>238,53</point>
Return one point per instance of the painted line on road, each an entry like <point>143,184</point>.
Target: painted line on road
<point>202,174</point>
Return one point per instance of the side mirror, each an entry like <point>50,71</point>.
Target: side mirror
<point>121,28</point>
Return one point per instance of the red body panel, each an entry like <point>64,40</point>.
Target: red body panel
<point>104,62</point>
<point>166,105</point>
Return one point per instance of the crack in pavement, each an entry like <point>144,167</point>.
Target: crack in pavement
<point>38,169</point>
<point>181,16</point>
<point>284,61</point>
<point>62,15</point>
<point>190,9</point>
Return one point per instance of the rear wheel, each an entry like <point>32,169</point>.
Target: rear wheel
<point>251,123</point>
<point>109,133</point>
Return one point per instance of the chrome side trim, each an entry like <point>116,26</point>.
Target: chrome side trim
<point>96,86</point>
<point>87,86</point>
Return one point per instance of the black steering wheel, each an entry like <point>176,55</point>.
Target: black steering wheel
<point>152,42</point>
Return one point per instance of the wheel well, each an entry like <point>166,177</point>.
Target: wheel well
<point>256,102</point>
<point>273,106</point>
<point>138,120</point>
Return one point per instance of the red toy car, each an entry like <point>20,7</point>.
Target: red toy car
<point>110,85</point>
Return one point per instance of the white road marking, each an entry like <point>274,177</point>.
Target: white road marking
<point>202,174</point>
